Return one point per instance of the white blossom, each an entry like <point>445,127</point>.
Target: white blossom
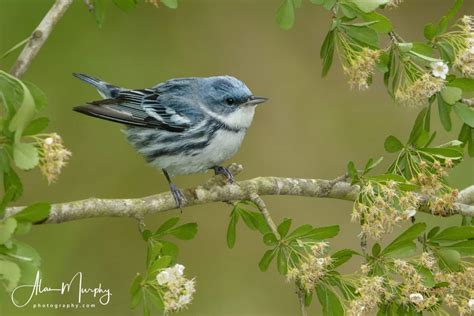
<point>165,277</point>
<point>471,303</point>
<point>416,298</point>
<point>439,69</point>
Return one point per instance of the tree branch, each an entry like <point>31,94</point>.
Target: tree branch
<point>215,191</point>
<point>39,37</point>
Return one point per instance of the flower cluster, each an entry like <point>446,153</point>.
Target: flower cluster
<point>459,293</point>
<point>430,177</point>
<point>371,292</point>
<point>312,267</point>
<point>464,59</point>
<point>412,288</point>
<point>53,156</point>
<point>380,206</point>
<point>394,3</point>
<point>360,67</point>
<point>416,92</point>
<point>176,290</point>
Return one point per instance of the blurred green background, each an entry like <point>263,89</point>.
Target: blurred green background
<point>310,128</point>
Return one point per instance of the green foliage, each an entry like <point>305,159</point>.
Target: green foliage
<point>19,262</point>
<point>161,254</point>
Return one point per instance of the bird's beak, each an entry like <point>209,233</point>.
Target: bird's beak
<point>253,100</point>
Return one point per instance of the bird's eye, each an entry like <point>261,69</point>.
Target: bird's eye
<point>229,101</point>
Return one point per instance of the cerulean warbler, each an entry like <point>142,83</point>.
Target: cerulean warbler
<point>182,126</point>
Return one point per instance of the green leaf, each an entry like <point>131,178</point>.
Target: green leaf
<point>369,5</point>
<point>33,213</point>
<point>9,272</point>
<point>422,48</point>
<point>443,152</point>
<point>285,16</point>
<point>417,127</point>
<point>266,259</point>
<point>455,233</point>
<point>327,52</point>
<point>184,232</point>
<point>430,31</point>
<point>444,110</point>
<point>172,4</point>
<point>428,278</point>
<point>465,248</point>
<point>376,249</point>
<point>383,24</point>
<point>169,249</point>
<point>99,12</point>
<point>153,250</point>
<point>7,227</point>
<point>284,227</point>
<point>36,126</point>
<point>408,235</point>
<point>329,301</point>
<point>25,155</point>
<point>371,164</point>
<point>451,94</point>
<point>269,239</point>
<point>135,291</point>
<point>38,95</point>
<point>448,259</point>
<point>364,35</point>
<point>24,252</point>
<point>125,5</point>
<point>405,47</point>
<point>392,144</point>
<point>342,256</point>
<point>352,171</point>
<point>153,296</point>
<point>320,233</point>
<point>12,182</point>
<point>24,114</point>
<point>402,250</point>
<point>465,84</point>
<point>231,231</point>
<point>160,263</point>
<point>282,263</point>
<point>300,231</point>
<point>249,219</point>
<point>443,23</point>
<point>465,113</point>
<point>170,223</point>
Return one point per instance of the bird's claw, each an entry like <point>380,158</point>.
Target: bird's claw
<point>225,172</point>
<point>178,196</point>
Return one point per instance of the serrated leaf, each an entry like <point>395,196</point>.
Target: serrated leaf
<point>24,252</point>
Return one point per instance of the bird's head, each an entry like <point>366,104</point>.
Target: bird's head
<point>229,100</point>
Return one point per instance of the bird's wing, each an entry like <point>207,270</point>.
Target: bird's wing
<point>146,108</point>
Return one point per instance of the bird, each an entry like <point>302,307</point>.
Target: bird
<point>182,126</point>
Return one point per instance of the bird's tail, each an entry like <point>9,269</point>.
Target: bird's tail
<point>105,89</point>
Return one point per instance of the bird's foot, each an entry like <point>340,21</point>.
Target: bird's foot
<point>178,196</point>
<point>225,172</point>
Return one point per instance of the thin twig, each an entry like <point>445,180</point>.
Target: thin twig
<point>301,301</point>
<point>39,37</point>
<point>254,197</point>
